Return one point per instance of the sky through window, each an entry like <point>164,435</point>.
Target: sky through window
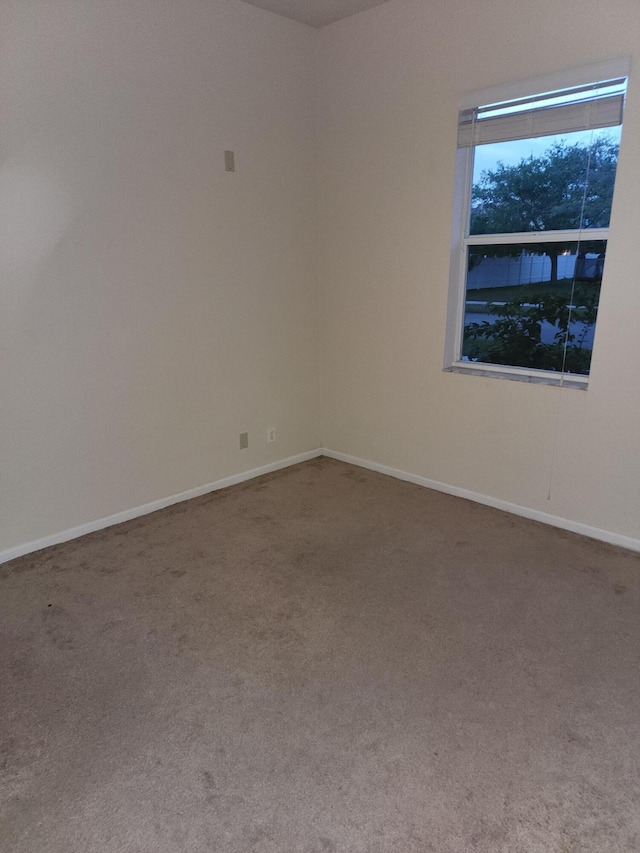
<point>511,153</point>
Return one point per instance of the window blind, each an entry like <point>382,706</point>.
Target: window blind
<point>480,125</point>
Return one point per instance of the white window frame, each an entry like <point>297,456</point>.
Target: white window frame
<point>460,238</point>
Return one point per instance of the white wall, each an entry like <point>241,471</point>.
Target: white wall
<point>390,84</point>
<point>152,306</point>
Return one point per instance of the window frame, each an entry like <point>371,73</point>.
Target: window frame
<point>461,239</point>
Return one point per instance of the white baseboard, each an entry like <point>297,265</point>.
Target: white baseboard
<point>145,509</point>
<point>534,514</point>
<point>128,514</point>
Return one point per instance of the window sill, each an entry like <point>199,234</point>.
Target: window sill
<point>517,374</point>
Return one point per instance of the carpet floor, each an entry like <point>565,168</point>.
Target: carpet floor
<point>322,659</point>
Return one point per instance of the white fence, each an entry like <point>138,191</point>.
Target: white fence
<point>525,269</point>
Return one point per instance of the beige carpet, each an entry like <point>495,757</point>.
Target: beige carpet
<point>324,659</point>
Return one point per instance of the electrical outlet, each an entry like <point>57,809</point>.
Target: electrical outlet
<point>244,440</point>
<point>271,435</point>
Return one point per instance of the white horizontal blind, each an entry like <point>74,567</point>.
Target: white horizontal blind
<point>531,121</point>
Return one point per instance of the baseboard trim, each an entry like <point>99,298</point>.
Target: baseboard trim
<point>536,515</point>
<point>145,509</point>
<point>127,515</point>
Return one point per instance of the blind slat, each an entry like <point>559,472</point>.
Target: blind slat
<point>543,121</point>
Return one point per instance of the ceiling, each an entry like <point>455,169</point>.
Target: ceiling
<point>317,13</point>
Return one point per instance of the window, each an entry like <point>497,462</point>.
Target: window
<point>534,187</point>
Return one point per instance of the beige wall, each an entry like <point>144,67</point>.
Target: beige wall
<point>390,84</point>
<point>152,306</point>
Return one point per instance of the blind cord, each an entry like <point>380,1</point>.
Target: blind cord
<point>554,444</point>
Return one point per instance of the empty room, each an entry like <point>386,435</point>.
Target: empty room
<point>320,426</point>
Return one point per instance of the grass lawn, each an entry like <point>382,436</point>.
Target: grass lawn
<point>523,292</point>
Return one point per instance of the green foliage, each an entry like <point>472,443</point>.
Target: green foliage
<point>514,338</point>
<point>546,193</point>
<point>566,187</point>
